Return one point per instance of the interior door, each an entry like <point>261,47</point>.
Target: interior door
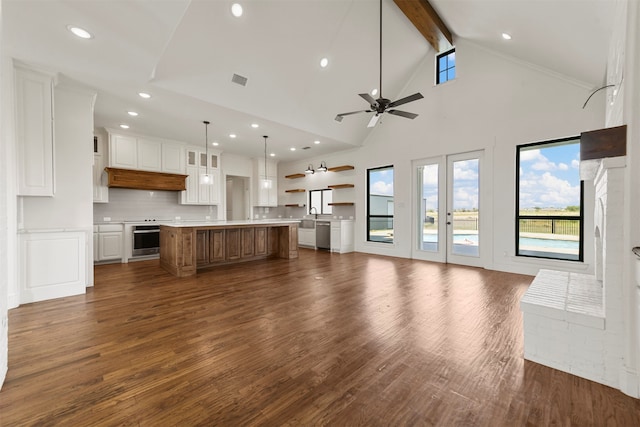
<point>448,209</point>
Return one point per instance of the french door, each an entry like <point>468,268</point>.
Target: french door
<point>447,226</point>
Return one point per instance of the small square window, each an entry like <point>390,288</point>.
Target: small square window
<point>446,64</point>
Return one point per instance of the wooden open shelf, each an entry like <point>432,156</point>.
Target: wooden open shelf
<point>295,190</point>
<point>341,204</point>
<point>294,176</point>
<point>338,186</point>
<point>294,205</point>
<point>341,168</point>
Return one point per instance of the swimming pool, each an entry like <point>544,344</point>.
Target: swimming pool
<point>472,240</point>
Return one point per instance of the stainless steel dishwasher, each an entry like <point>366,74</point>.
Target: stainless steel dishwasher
<point>323,235</point>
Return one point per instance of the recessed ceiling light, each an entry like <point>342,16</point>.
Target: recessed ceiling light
<point>215,144</point>
<point>123,126</point>
<point>324,62</point>
<point>232,135</point>
<point>316,142</point>
<point>272,154</point>
<point>374,92</point>
<point>80,32</point>
<point>236,10</point>
<point>506,36</point>
<point>292,148</point>
<point>255,125</point>
<point>144,95</point>
<point>132,113</point>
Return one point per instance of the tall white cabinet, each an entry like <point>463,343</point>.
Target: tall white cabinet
<point>100,179</point>
<point>34,132</point>
<point>199,163</point>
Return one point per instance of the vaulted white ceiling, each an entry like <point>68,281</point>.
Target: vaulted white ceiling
<point>185,53</point>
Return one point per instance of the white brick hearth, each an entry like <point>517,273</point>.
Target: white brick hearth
<point>573,322</point>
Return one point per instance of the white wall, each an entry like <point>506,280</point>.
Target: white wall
<point>6,168</point>
<point>623,107</point>
<point>494,104</point>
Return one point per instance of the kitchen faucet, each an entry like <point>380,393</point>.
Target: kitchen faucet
<point>314,211</point>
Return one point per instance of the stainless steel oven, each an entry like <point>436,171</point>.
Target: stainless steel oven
<point>146,240</point>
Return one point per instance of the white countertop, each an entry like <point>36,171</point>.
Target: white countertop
<point>178,224</point>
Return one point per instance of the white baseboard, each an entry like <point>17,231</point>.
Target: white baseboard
<point>629,382</point>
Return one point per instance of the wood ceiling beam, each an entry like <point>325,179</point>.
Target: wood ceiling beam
<point>428,22</point>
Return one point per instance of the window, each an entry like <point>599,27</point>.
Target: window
<point>446,66</point>
<point>380,204</point>
<point>319,201</point>
<point>549,209</point>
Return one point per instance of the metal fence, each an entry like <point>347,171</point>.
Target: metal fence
<point>569,227</point>
<point>465,223</point>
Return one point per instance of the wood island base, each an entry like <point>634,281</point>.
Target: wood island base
<point>186,248</point>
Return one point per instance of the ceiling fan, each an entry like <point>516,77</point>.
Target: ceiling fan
<point>383,105</point>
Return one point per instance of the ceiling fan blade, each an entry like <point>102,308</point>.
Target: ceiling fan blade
<point>373,121</point>
<point>340,116</point>
<point>409,98</point>
<point>402,114</point>
<point>368,98</point>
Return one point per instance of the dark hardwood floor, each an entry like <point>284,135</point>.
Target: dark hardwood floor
<point>348,339</point>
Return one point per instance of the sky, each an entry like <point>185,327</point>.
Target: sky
<point>381,182</point>
<point>550,177</point>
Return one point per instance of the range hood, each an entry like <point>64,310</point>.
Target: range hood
<point>143,180</point>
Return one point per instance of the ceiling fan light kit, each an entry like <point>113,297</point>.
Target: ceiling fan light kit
<point>383,105</point>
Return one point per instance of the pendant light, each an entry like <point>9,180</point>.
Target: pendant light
<point>309,170</point>
<point>322,167</point>
<point>266,182</point>
<point>206,178</point>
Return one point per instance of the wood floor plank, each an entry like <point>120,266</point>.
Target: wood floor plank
<point>324,339</point>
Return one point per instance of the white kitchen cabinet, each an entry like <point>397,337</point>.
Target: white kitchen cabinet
<point>96,255</point>
<point>130,152</point>
<point>197,164</point>
<point>100,179</point>
<point>173,158</point>
<point>266,183</point>
<point>34,132</point>
<point>123,152</point>
<point>307,237</point>
<point>149,154</point>
<point>109,242</point>
<point>342,236</point>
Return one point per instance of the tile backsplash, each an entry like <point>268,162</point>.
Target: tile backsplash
<point>128,205</point>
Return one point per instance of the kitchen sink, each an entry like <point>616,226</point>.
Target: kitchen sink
<point>308,223</point>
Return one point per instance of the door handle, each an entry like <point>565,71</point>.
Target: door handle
<point>448,223</point>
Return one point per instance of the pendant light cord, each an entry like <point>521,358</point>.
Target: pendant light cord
<point>206,144</point>
<point>265,158</point>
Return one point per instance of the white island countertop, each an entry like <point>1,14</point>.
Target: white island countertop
<point>274,221</point>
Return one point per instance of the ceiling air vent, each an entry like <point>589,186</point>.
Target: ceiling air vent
<point>305,148</point>
<point>238,79</point>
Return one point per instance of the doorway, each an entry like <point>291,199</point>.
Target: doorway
<point>237,198</point>
<point>448,212</point>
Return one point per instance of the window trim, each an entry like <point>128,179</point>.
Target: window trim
<point>369,216</point>
<point>446,53</point>
<point>518,217</point>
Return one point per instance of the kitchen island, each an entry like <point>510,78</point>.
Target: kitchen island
<point>187,247</point>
